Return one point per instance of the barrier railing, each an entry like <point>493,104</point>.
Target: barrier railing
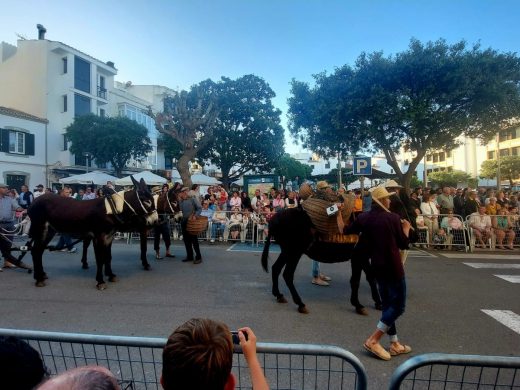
<point>494,231</point>
<point>446,371</point>
<point>442,231</point>
<point>137,361</point>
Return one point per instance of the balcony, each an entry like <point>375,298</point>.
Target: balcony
<point>102,92</point>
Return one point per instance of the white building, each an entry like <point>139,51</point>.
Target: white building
<point>51,80</point>
<point>23,158</point>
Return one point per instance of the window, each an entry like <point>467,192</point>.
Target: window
<point>442,156</point>
<point>64,101</point>
<point>327,166</point>
<point>450,169</point>
<point>64,64</point>
<point>515,151</point>
<point>428,157</point>
<point>81,105</point>
<point>504,152</point>
<point>65,142</point>
<point>436,157</point>
<point>448,153</point>
<point>491,155</point>
<point>81,74</point>
<point>102,91</point>
<point>16,142</point>
<point>168,163</point>
<point>102,112</point>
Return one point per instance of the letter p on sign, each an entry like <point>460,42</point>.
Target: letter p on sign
<point>362,166</point>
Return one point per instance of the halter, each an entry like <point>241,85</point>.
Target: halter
<point>120,195</point>
<point>169,204</point>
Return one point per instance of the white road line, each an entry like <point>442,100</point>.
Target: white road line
<point>419,253</point>
<point>509,278</point>
<point>479,256</point>
<point>506,317</point>
<point>493,265</point>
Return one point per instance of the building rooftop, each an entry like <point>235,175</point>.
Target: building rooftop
<point>20,114</point>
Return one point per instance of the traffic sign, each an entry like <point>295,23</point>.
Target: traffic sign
<point>362,166</point>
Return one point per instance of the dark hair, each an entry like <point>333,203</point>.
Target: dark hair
<point>21,366</point>
<point>194,187</point>
<point>198,355</point>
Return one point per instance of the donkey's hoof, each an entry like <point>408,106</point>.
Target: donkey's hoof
<point>84,265</point>
<point>45,277</point>
<point>147,267</point>
<point>40,283</point>
<point>361,310</point>
<point>281,299</point>
<point>113,278</point>
<point>101,286</point>
<point>303,309</point>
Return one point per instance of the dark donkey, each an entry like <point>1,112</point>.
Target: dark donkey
<point>93,218</point>
<point>294,232</point>
<point>166,206</point>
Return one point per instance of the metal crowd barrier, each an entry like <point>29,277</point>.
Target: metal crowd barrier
<point>512,230</point>
<point>436,232</point>
<point>137,361</point>
<point>446,371</point>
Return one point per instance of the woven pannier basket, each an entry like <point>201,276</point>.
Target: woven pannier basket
<point>305,191</point>
<point>327,225</point>
<point>197,225</point>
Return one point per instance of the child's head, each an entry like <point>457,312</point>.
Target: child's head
<point>198,355</point>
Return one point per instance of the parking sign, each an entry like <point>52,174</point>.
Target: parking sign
<point>362,166</point>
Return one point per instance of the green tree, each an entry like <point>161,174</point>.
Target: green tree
<point>421,99</point>
<point>189,118</point>
<point>247,132</point>
<point>109,140</point>
<point>290,168</point>
<point>509,168</point>
<point>448,179</point>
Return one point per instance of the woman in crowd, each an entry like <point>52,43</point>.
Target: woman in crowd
<point>235,201</point>
<point>503,229</point>
<point>492,207</point>
<point>430,213</point>
<point>291,201</point>
<point>278,202</point>
<point>246,201</point>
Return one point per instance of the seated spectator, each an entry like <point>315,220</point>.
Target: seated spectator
<point>235,201</point>
<point>219,225</point>
<point>455,229</point>
<point>21,366</point>
<point>291,201</point>
<point>247,220</point>
<point>492,207</point>
<point>83,378</point>
<point>480,224</point>
<point>278,202</point>
<point>246,201</point>
<point>199,355</point>
<point>235,223</point>
<point>503,229</point>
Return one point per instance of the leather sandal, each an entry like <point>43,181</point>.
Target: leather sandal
<point>377,350</point>
<point>401,349</point>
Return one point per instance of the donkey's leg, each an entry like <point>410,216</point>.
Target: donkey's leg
<point>144,244</point>
<point>288,275</point>
<point>86,244</point>
<point>39,245</point>
<point>99,251</point>
<point>355,278</point>
<point>276,270</point>
<point>108,263</point>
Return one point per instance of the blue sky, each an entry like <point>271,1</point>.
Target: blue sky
<point>178,43</point>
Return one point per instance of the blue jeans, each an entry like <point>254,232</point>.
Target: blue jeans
<point>65,241</point>
<point>216,229</point>
<point>393,298</point>
<point>315,268</point>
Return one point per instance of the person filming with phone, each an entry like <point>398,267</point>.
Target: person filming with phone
<point>199,356</point>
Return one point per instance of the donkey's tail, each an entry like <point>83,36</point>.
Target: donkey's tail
<point>265,252</point>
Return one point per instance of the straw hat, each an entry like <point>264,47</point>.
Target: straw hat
<point>392,184</point>
<point>322,185</point>
<point>156,189</point>
<point>379,193</point>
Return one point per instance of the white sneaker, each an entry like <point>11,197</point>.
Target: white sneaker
<point>73,250</point>
<point>212,240</point>
<point>64,250</point>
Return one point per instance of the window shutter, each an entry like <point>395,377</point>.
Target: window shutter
<point>29,144</point>
<point>4,140</point>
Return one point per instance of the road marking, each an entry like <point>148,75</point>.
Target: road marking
<point>247,247</point>
<point>419,253</point>
<point>493,265</point>
<point>506,317</point>
<point>509,278</point>
<point>478,256</point>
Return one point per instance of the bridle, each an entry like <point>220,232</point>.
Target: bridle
<point>120,194</point>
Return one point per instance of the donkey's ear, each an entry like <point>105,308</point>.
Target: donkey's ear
<point>142,185</point>
<point>134,181</point>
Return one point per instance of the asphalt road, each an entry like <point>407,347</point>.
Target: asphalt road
<point>444,308</point>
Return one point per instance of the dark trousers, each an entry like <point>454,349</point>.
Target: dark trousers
<point>393,297</point>
<point>361,263</point>
<point>191,242</point>
<point>164,230</point>
<point>65,241</point>
<point>6,239</point>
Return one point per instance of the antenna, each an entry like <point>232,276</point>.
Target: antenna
<point>22,37</point>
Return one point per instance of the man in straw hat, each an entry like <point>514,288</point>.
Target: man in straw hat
<point>401,204</point>
<point>387,233</point>
<point>190,207</point>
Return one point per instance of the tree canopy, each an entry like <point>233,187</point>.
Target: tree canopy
<point>509,168</point>
<point>292,168</point>
<point>247,131</point>
<point>109,140</point>
<point>421,99</point>
<point>448,179</point>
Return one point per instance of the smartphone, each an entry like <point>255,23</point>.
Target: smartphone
<point>236,339</point>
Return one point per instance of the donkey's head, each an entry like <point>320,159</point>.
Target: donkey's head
<point>141,201</point>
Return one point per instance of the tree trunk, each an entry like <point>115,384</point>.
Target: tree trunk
<point>183,166</point>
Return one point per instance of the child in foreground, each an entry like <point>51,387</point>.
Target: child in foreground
<point>199,355</point>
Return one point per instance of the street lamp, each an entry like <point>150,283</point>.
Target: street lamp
<point>87,159</point>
